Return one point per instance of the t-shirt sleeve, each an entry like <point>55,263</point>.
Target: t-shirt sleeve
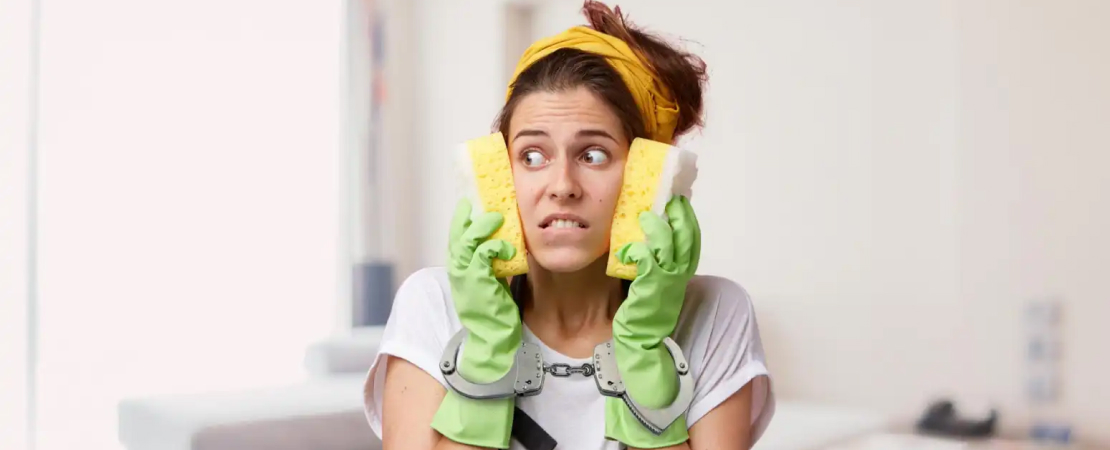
<point>420,324</point>
<point>725,351</point>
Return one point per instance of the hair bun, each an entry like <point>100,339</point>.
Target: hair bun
<point>680,72</point>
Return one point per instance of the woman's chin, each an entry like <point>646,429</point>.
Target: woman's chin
<point>564,260</point>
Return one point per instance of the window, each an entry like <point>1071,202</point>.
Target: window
<point>190,196</point>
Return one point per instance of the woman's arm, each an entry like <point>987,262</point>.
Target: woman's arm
<point>409,402</point>
<point>726,427</point>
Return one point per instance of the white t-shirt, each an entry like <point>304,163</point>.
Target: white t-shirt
<point>717,331</point>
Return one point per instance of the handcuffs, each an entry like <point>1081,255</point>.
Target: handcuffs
<point>527,374</point>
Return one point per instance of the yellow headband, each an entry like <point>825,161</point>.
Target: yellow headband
<point>658,109</point>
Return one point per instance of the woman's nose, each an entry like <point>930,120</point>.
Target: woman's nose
<point>564,183</point>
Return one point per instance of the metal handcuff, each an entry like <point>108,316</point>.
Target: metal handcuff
<point>526,377</point>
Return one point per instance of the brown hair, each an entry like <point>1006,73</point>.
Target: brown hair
<point>682,73</point>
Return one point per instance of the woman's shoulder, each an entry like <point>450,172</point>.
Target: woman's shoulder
<point>716,308</point>
<point>434,276</point>
<point>424,296</point>
<point>429,284</point>
<point>711,295</point>
<point>713,284</point>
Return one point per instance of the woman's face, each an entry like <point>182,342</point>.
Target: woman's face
<point>568,151</point>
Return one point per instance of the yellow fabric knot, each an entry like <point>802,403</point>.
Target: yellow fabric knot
<point>654,100</point>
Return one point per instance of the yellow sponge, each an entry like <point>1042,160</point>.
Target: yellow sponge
<point>653,173</point>
<point>486,178</point>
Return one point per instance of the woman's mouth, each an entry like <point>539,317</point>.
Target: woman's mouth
<point>563,225</point>
<point>563,222</point>
<point>560,223</point>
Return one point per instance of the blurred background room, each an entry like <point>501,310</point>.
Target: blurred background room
<point>206,206</point>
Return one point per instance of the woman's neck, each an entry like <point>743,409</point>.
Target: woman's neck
<point>572,310</point>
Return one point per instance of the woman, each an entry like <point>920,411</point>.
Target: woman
<point>576,103</point>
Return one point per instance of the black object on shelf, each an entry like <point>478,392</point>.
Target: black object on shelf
<point>942,419</point>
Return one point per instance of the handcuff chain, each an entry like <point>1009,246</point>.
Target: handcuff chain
<point>565,370</point>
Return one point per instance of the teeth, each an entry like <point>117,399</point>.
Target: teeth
<point>562,223</point>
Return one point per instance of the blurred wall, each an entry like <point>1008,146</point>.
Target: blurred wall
<point>17,25</point>
<point>189,187</point>
<point>1033,210</point>
<point>892,180</point>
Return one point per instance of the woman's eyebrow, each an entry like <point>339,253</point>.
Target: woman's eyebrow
<point>594,132</point>
<point>530,133</point>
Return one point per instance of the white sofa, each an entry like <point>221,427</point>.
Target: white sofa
<point>322,413</point>
<point>325,412</point>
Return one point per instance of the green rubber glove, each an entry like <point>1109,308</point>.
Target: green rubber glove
<point>665,263</point>
<point>487,310</point>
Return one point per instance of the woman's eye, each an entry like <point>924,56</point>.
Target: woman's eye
<point>533,158</point>
<point>595,157</point>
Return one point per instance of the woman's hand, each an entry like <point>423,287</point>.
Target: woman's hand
<point>665,263</point>
<point>487,310</point>
<point>483,303</point>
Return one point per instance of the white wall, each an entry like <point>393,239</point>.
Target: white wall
<point>16,31</point>
<point>891,180</point>
<point>1034,103</point>
<point>826,185</point>
<point>384,203</point>
<point>459,88</point>
<point>400,200</point>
